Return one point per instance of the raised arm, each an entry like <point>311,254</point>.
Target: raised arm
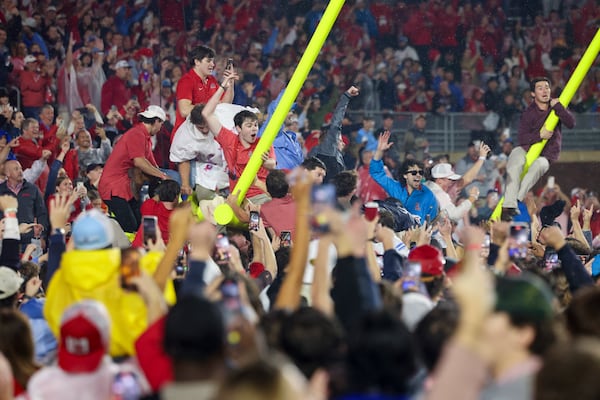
<point>472,173</point>
<point>208,112</point>
<point>289,295</point>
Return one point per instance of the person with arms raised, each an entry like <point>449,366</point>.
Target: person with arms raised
<point>418,199</point>
<point>238,148</point>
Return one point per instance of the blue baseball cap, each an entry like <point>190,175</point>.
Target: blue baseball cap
<point>92,230</point>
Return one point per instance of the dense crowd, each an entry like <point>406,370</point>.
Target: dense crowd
<point>139,261</point>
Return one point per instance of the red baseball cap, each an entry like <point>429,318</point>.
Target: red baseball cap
<point>84,337</point>
<point>431,258</point>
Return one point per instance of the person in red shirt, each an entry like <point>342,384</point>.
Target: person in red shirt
<point>29,148</point>
<point>279,214</point>
<point>64,187</point>
<point>198,85</point>
<point>239,147</point>
<point>368,189</point>
<point>115,91</point>
<point>34,85</point>
<point>165,198</point>
<point>134,149</point>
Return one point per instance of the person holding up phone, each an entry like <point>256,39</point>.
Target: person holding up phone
<point>531,131</point>
<point>198,85</point>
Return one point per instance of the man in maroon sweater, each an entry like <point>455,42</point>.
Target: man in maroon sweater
<point>532,130</point>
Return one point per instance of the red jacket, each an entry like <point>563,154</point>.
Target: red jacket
<point>71,164</point>
<point>33,88</point>
<point>28,151</point>
<point>114,92</point>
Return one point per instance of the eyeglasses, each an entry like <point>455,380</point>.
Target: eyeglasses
<point>415,172</point>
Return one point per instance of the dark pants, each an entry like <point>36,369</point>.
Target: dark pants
<point>127,213</point>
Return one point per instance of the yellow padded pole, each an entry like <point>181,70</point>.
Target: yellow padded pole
<point>223,213</point>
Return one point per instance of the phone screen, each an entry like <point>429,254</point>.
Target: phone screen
<point>149,227</point>
<point>286,238</point>
<point>322,198</point>
<point>230,297</point>
<point>254,221</point>
<point>412,277</point>
<point>130,267</point>
<point>222,248</point>
<point>551,260</point>
<point>519,240</point>
<point>229,63</point>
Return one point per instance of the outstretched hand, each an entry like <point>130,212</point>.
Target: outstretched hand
<point>383,144</point>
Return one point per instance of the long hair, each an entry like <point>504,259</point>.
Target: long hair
<point>16,343</point>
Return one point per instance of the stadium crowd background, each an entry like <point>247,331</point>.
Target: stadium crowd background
<point>421,57</point>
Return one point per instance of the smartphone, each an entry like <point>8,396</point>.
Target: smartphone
<point>411,282</point>
<point>286,238</point>
<point>149,228</point>
<point>551,260</point>
<point>486,242</point>
<point>130,267</point>
<point>519,239</point>
<point>222,248</point>
<point>79,185</point>
<point>253,224</point>
<point>181,267</point>
<point>229,63</point>
<point>113,108</point>
<point>550,183</point>
<point>322,199</point>
<point>134,97</point>
<point>232,305</point>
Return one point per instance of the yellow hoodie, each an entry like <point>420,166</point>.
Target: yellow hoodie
<point>94,274</point>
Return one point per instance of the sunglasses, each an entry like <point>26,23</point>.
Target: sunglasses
<point>415,172</point>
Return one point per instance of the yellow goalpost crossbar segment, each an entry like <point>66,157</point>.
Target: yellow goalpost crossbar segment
<point>584,65</point>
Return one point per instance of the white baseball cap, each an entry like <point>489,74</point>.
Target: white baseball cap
<point>444,170</point>
<point>154,112</point>
<point>10,282</point>
<point>123,64</point>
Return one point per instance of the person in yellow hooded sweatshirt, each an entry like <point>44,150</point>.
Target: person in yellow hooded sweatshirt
<point>92,271</point>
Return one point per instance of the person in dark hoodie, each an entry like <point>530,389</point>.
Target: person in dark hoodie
<point>329,149</point>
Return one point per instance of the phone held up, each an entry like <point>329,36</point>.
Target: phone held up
<point>254,222</point>
<point>519,240</point>
<point>221,249</point>
<point>285,238</point>
<point>412,278</point>
<point>322,199</point>
<point>150,228</point>
<point>130,267</point>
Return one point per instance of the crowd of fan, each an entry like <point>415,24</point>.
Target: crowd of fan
<point>318,296</point>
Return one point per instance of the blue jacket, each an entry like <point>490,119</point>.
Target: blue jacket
<point>43,338</point>
<point>421,202</point>
<point>288,151</point>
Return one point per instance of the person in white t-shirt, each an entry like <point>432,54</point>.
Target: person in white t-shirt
<point>202,165</point>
